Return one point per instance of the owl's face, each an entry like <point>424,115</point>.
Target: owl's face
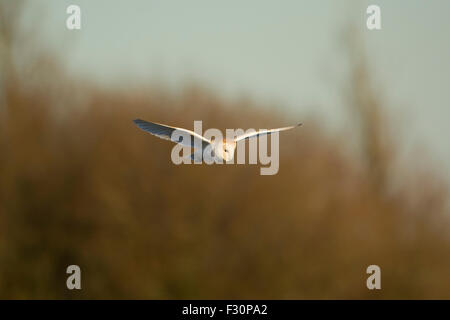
<point>225,150</point>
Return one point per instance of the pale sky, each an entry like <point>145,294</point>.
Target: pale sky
<point>287,53</point>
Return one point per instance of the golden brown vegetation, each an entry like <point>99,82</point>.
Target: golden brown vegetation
<point>79,184</point>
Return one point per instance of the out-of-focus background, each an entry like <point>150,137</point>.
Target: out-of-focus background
<point>364,181</point>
